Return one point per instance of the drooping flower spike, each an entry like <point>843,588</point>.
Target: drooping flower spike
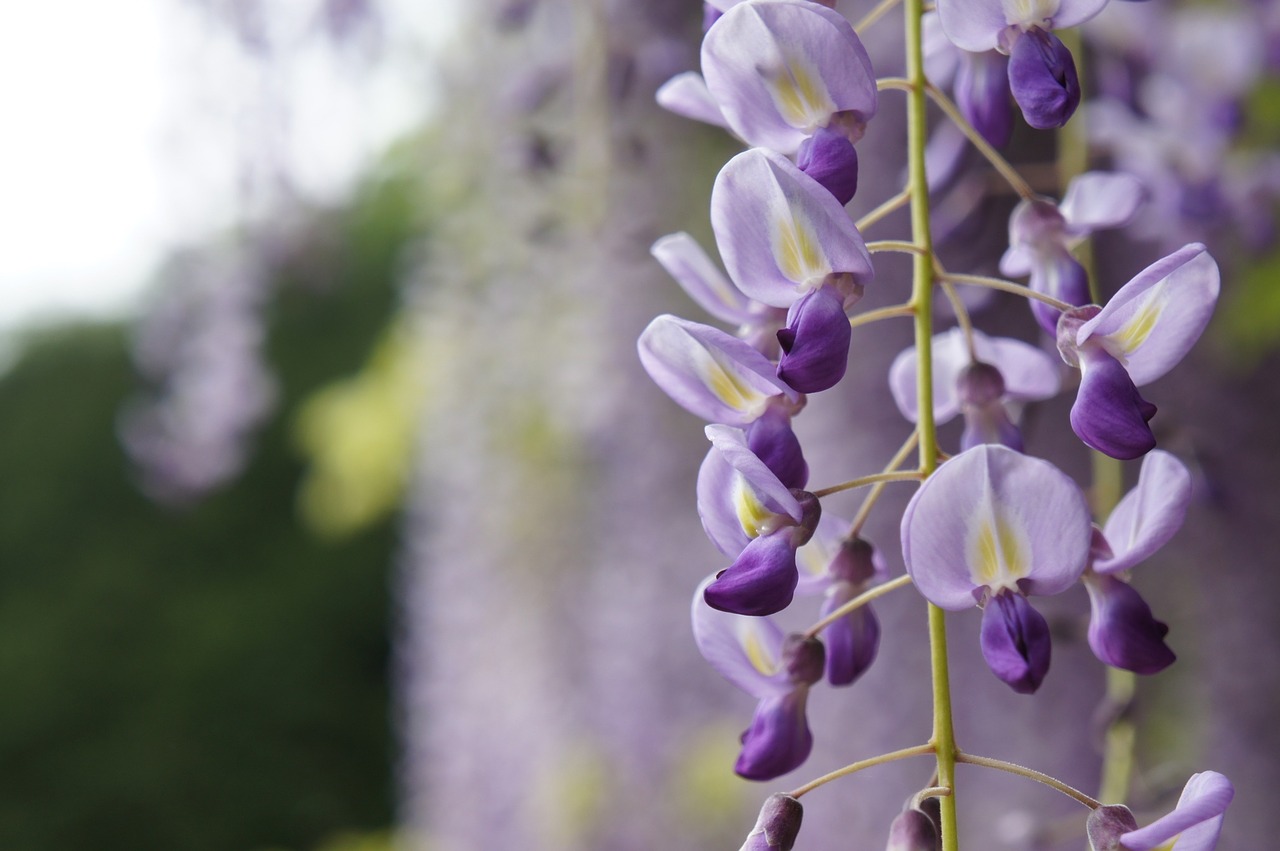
<point>711,374</point>
<point>1122,630</point>
<point>781,70</point>
<point>1025,374</point>
<point>1042,235</point>
<point>1141,333</point>
<point>777,669</point>
<point>991,526</point>
<point>1194,824</point>
<point>750,514</point>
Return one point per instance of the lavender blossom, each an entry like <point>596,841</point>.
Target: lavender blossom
<point>1194,824</point>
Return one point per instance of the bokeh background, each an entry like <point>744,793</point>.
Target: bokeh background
<point>337,512</point>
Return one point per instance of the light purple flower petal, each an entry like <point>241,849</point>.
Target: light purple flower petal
<point>774,496</point>
<point>778,740</point>
<point>688,263</point>
<point>723,503</point>
<point>772,440</point>
<point>1122,631</point>
<point>687,95</point>
<point>745,651</point>
<point>991,518</point>
<point>814,558</point>
<point>815,343</point>
<point>1073,13</point>
<point>1196,821</point>
<point>973,25</point>
<point>1155,319</point>
<point>761,581</point>
<point>709,373</point>
<point>941,57</point>
<point>781,69</point>
<point>1015,642</point>
<point>780,233</point>
<point>1149,515</point>
<point>1056,273</point>
<point>1097,199</point>
<point>944,154</point>
<point>1109,413</point>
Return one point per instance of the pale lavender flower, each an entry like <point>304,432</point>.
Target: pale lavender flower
<point>1194,824</point>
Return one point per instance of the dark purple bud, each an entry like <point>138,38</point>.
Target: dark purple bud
<point>778,739</point>
<point>1042,76</point>
<point>912,830</point>
<point>979,385</point>
<point>853,640</point>
<point>762,581</point>
<point>982,94</point>
<point>1122,631</point>
<point>1068,331</point>
<point>829,158</point>
<point>804,658</point>
<point>1107,824</point>
<point>1058,275</point>
<point>777,826</point>
<point>1015,641</point>
<point>811,513</point>
<point>774,442</point>
<point>854,563</point>
<point>1109,414</point>
<point>980,388</point>
<point>815,343</point>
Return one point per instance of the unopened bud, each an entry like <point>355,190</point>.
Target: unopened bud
<point>980,385</point>
<point>1069,331</point>
<point>854,563</point>
<point>804,658</point>
<point>810,514</point>
<point>777,826</point>
<point>912,830</point>
<point>1107,824</point>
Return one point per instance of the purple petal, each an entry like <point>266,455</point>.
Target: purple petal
<point>709,373</point>
<point>944,154</point>
<point>1015,642</point>
<point>1035,226</point>
<point>1105,826</point>
<point>1155,319</point>
<point>778,739</point>
<point>1030,374</point>
<point>913,830</point>
<point>994,518</point>
<point>1056,273</point>
<point>720,501</point>
<point>782,69</point>
<point>772,440</point>
<point>745,651</point>
<point>1122,631</point>
<point>815,343</point>
<point>1042,77</point>
<point>687,95</point>
<point>1109,414</point>
<point>777,826</point>
<point>990,424</point>
<point>780,233</point>
<point>816,557</point>
<point>773,494</point>
<point>829,158</point>
<point>941,57</point>
<point>1073,13</point>
<point>1149,515</point>
<point>1097,200</point>
<point>853,640</point>
<point>973,25</point>
<point>982,94</point>
<point>693,270</point>
<point>1196,821</point>
<point>761,582</point>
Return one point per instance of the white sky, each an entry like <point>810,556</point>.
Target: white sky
<point>119,137</point>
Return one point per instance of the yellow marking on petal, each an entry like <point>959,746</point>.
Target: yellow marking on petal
<point>1168,846</point>
<point>1135,332</point>
<point>998,552</point>
<point>800,96</point>
<point>1029,11</point>
<point>729,387</point>
<point>796,248</point>
<point>757,653</point>
<point>751,512</point>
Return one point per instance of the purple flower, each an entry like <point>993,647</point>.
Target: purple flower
<point>1141,333</point>
<point>1042,78</point>
<point>815,343</point>
<point>754,655</point>
<point>777,826</point>
<point>780,70</point>
<point>687,95</point>
<point>1195,822</point>
<point>988,527</point>
<point>1042,236</point>
<point>829,158</point>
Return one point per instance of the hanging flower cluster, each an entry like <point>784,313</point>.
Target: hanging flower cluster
<point>989,527</point>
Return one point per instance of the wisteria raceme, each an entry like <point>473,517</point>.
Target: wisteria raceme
<point>991,525</point>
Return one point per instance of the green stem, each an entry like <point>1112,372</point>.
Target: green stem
<point>943,739</point>
<point>894,756</point>
<point>1031,773</point>
<point>857,603</point>
<point>863,481</point>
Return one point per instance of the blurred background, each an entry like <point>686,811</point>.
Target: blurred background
<point>338,514</point>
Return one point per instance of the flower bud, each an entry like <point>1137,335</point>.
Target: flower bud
<point>854,563</point>
<point>829,158</point>
<point>1069,329</point>
<point>912,830</point>
<point>777,826</point>
<point>1042,76</point>
<point>979,385</point>
<point>811,513</point>
<point>1106,825</point>
<point>804,658</point>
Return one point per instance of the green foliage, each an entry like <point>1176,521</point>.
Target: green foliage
<point>209,679</point>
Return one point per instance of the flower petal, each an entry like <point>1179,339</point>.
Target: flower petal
<point>774,495</point>
<point>1149,515</point>
<point>982,95</point>
<point>780,233</point>
<point>815,343</point>
<point>1196,821</point>
<point>1056,273</point>
<point>709,373</point>
<point>687,95</point>
<point>994,518</point>
<point>1097,199</point>
<point>777,826</point>
<point>1042,77</point>
<point>686,261</point>
<point>778,739</point>
<point>772,440</point>
<point>1155,319</point>
<point>1109,414</point>
<point>829,158</point>
<point>853,640</point>
<point>1122,631</point>
<point>745,651</point>
<point>780,69</point>
<point>1015,642</point>
<point>762,581</point>
<point>973,25</point>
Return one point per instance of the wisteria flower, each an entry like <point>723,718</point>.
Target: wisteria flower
<point>1194,824</point>
<point>1042,235</point>
<point>1007,372</point>
<point>749,513</point>
<point>777,826</point>
<point>991,526</point>
<point>777,669</point>
<point>1122,631</point>
<point>979,81</point>
<point>1141,333</point>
